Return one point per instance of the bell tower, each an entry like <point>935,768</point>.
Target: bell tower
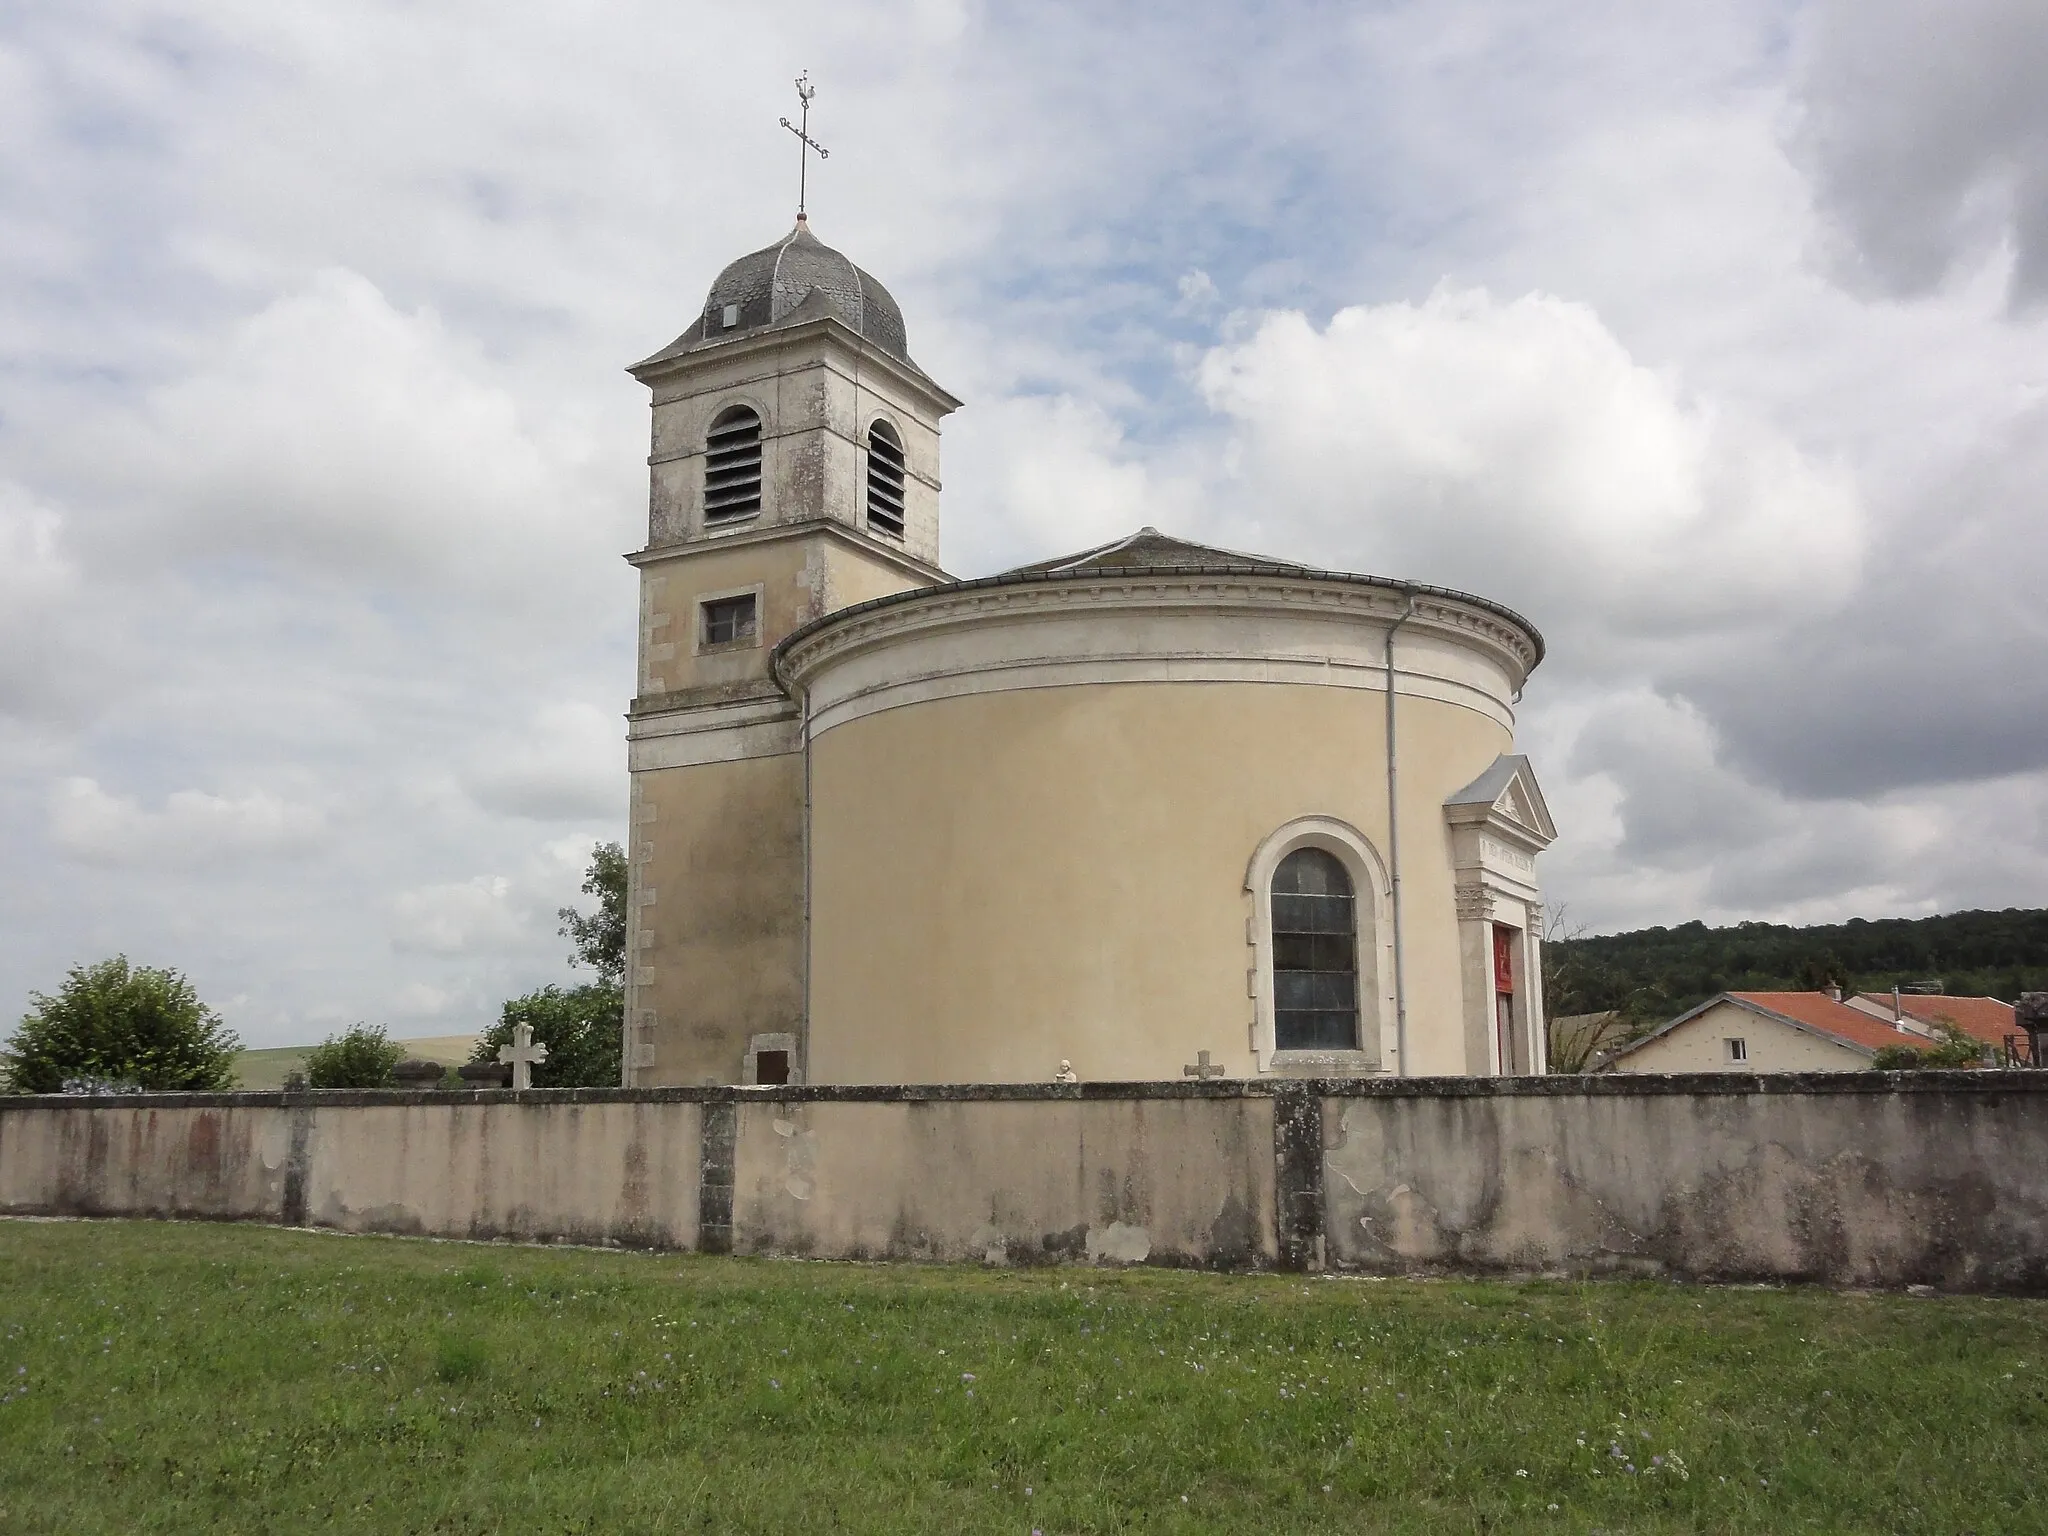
<point>794,472</point>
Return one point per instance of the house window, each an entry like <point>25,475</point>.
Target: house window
<point>730,621</point>
<point>732,467</point>
<point>1738,1050</point>
<point>1315,954</point>
<point>885,480</point>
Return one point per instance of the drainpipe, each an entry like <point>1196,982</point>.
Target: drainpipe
<point>1394,846</point>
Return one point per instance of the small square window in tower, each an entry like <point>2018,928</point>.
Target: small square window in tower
<point>771,1068</point>
<point>730,621</point>
<point>732,467</point>
<point>885,480</point>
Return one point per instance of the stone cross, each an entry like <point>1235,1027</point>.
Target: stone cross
<point>1202,1067</point>
<point>522,1055</point>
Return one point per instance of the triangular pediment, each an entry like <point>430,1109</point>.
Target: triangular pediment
<point>1507,797</point>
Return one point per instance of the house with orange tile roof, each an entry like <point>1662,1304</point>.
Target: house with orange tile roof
<point>1772,1032</point>
<point>1984,1019</point>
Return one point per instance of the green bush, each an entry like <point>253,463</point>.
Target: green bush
<point>1956,1050</point>
<point>581,1027</point>
<point>360,1058</point>
<point>116,1025</point>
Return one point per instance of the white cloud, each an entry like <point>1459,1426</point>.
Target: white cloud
<point>193,828</point>
<point>568,763</point>
<point>460,917</point>
<point>1516,449</point>
<point>335,433</point>
<point>1050,474</point>
<point>38,592</point>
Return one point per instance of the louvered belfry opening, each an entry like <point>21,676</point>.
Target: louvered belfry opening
<point>885,480</point>
<point>1315,954</point>
<point>732,467</point>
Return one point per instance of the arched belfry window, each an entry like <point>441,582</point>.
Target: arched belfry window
<point>885,480</point>
<point>1315,954</point>
<point>732,466</point>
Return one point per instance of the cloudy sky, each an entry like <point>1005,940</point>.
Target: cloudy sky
<point>1714,337</point>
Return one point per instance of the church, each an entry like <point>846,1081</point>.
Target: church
<point>1150,810</point>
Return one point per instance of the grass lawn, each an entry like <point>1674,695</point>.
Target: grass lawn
<point>161,1377</point>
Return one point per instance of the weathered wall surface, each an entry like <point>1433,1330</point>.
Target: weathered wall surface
<point>1843,1178</point>
<point>621,1172</point>
<point>1884,1181</point>
<point>208,1155</point>
<point>1179,1180</point>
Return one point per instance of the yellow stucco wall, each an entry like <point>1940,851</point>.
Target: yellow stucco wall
<point>1003,880</point>
<point>719,950</point>
<point>715,926</point>
<point>1700,1046</point>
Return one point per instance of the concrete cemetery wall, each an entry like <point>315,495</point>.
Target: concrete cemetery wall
<point>433,1165</point>
<point>1839,1178</point>
<point>1857,1179</point>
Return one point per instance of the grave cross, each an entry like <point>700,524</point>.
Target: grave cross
<point>1202,1067</point>
<point>522,1055</point>
<point>804,92</point>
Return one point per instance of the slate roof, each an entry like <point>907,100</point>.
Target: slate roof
<point>1150,550</point>
<point>796,279</point>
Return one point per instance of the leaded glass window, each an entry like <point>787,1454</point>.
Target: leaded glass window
<point>1315,954</point>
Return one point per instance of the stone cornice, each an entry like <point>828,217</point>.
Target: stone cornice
<point>770,533</point>
<point>1512,640</point>
<point>827,329</point>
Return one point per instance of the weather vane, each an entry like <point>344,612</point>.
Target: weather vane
<point>802,129</point>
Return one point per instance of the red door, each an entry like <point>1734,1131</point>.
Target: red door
<point>1504,996</point>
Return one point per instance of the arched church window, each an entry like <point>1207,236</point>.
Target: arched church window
<point>732,466</point>
<point>1315,954</point>
<point>885,480</point>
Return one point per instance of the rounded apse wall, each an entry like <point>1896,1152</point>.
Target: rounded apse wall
<point>1034,809</point>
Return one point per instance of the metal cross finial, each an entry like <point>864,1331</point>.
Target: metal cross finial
<point>804,92</point>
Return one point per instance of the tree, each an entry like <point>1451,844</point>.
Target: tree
<point>600,938</point>
<point>359,1058</point>
<point>121,1025</point>
<point>1590,1006</point>
<point>581,1027</point>
<point>1956,1050</point>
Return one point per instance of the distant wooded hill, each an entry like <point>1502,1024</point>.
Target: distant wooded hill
<point>1655,973</point>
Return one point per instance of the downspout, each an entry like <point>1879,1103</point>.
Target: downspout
<point>1394,847</point>
<point>802,1054</point>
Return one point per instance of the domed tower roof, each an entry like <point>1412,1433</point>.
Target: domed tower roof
<point>798,278</point>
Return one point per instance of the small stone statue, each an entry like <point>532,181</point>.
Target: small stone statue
<point>1066,1073</point>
